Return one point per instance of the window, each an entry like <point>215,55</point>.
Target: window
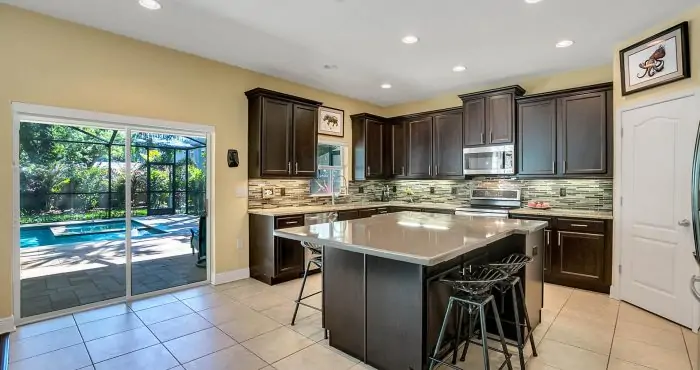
<point>331,170</point>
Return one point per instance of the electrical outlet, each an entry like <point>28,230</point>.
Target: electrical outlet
<point>393,189</point>
<point>361,190</point>
<point>432,190</point>
<point>282,192</point>
<point>454,191</point>
<point>562,192</point>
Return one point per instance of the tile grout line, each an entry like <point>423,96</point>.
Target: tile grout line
<point>617,319</point>
<point>92,363</point>
<point>687,350</point>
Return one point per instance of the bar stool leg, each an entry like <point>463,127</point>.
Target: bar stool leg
<point>484,337</point>
<point>470,327</point>
<point>301,292</point>
<point>518,327</point>
<point>527,318</point>
<point>460,317</point>
<point>442,333</point>
<point>500,334</point>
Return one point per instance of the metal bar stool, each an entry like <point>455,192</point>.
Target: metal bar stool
<point>512,265</point>
<point>316,259</point>
<point>472,293</point>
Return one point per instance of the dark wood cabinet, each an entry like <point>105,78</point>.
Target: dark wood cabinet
<point>577,252</point>
<point>447,148</point>
<point>282,135</point>
<point>364,213</point>
<point>398,150</point>
<point>368,146</point>
<point>475,122</point>
<point>420,147</point>
<point>489,116</point>
<point>348,215</point>
<point>566,133</point>
<point>537,138</point>
<point>274,260</point>
<point>583,126</point>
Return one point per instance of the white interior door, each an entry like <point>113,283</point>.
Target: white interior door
<point>657,241</point>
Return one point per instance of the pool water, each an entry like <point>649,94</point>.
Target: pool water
<point>35,236</point>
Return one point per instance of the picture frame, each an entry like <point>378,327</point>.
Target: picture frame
<point>331,122</point>
<point>658,60</point>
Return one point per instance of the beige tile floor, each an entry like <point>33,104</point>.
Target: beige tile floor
<point>245,326</point>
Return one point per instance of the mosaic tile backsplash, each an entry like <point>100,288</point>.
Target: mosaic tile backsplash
<point>595,194</point>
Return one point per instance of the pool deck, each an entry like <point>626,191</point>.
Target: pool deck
<point>59,277</point>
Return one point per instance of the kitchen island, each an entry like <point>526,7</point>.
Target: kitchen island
<point>383,302</point>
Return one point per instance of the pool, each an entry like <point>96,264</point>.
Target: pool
<point>36,236</point>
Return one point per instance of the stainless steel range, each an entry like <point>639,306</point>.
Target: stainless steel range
<point>491,203</point>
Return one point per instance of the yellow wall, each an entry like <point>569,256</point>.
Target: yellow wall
<point>693,16</point>
<point>533,85</point>
<point>52,62</point>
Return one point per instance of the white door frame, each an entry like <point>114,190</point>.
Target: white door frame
<point>54,115</point>
<point>615,289</point>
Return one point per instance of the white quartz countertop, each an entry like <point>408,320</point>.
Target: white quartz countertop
<point>564,212</point>
<point>413,237</point>
<point>286,211</point>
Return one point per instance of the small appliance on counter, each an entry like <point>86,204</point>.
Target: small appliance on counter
<point>491,203</point>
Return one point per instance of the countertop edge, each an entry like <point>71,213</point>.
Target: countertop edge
<point>603,215</point>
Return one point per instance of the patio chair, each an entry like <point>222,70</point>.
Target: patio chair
<point>198,242</point>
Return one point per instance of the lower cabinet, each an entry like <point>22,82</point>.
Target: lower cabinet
<point>274,260</point>
<point>577,252</point>
<point>289,257</point>
<point>348,215</point>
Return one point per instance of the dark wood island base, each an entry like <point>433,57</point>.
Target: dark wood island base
<point>388,313</point>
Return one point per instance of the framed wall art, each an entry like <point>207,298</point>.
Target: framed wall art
<point>330,121</point>
<point>658,60</point>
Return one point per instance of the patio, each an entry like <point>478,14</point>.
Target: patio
<point>59,277</point>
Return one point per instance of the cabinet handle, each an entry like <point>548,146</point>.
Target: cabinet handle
<point>437,169</point>
<point>491,136</point>
<point>292,222</point>
<point>403,170</point>
<point>430,170</point>
<point>547,233</point>
<point>368,171</point>
<point>578,225</point>
<point>296,168</point>
<point>289,168</point>
<point>482,138</point>
<point>565,166</point>
<point>558,238</point>
<point>554,167</point>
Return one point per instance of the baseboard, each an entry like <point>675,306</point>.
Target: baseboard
<point>229,276</point>
<point>7,324</point>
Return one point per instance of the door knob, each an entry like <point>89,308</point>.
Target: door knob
<point>684,222</point>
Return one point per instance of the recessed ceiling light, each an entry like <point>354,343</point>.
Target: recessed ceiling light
<point>564,43</point>
<point>330,66</point>
<point>386,86</point>
<point>532,1</point>
<point>459,68</point>
<point>410,39</point>
<point>150,4</point>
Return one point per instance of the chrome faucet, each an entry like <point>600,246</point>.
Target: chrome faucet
<point>343,181</point>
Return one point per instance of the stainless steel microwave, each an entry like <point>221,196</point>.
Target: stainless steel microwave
<point>490,160</point>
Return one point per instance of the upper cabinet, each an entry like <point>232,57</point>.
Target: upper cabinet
<point>397,144</point>
<point>489,116</point>
<point>368,146</point>
<point>282,135</point>
<point>434,145</point>
<point>566,133</point>
<point>420,147</point>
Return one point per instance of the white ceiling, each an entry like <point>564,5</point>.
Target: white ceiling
<point>294,39</point>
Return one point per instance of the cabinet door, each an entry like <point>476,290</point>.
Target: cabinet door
<point>579,257</point>
<point>537,138</point>
<point>304,142</point>
<point>364,213</point>
<point>583,134</point>
<point>289,256</point>
<point>500,119</point>
<point>398,150</point>
<point>375,153</point>
<point>420,147</point>
<point>447,146</point>
<point>474,122</point>
<point>276,134</point>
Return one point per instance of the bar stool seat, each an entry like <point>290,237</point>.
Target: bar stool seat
<point>472,295</point>
<point>316,259</point>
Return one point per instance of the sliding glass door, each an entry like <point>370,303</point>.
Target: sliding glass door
<point>107,213</point>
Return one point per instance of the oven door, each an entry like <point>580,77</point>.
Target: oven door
<point>489,160</point>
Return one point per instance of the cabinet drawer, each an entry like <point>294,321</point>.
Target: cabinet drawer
<point>348,215</point>
<point>289,221</point>
<point>581,225</point>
